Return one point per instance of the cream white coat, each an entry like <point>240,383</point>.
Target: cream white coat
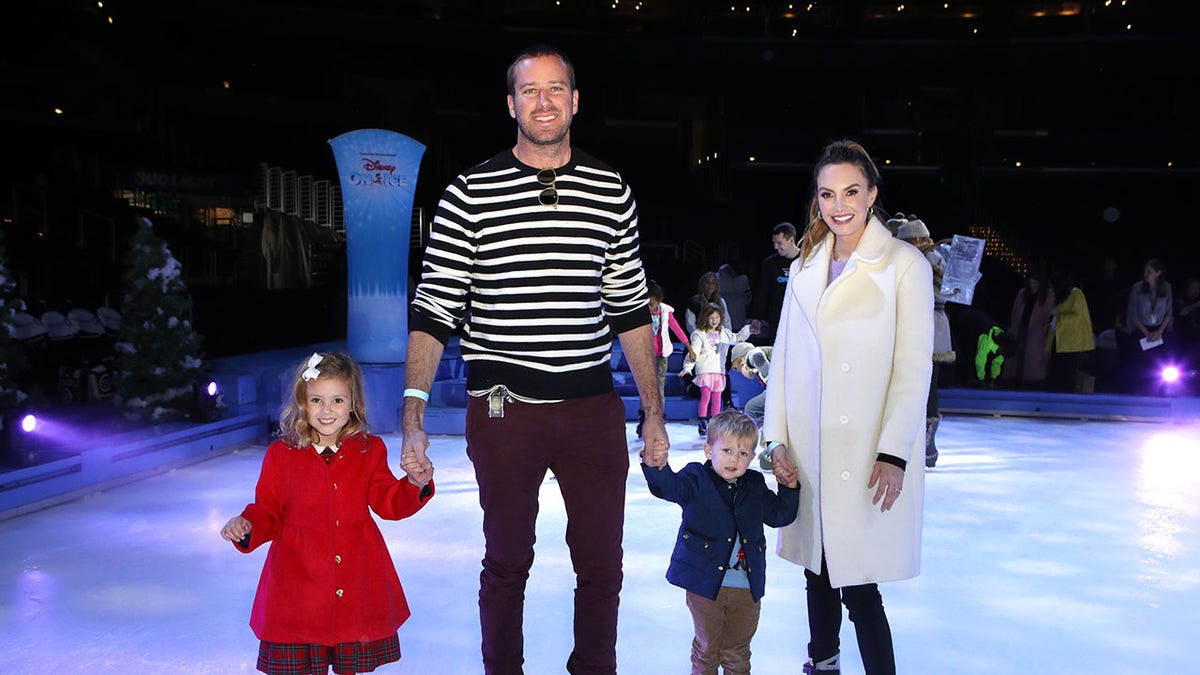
<point>849,379</point>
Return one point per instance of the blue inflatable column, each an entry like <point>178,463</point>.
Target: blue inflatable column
<point>378,174</point>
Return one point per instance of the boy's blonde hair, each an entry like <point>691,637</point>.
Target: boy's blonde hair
<point>732,424</point>
<point>293,420</point>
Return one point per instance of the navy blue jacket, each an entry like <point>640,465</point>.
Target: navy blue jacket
<point>711,521</point>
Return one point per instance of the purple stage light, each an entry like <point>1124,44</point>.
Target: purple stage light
<point>211,388</point>
<point>29,423</point>
<point>1170,374</point>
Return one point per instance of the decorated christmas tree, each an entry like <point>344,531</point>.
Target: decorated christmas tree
<point>12,356</point>
<point>158,352</point>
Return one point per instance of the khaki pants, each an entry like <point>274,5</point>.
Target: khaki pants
<point>724,628</point>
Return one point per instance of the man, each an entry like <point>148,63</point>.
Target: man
<point>541,242</point>
<point>772,281</point>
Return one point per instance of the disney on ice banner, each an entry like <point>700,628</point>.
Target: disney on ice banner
<point>378,173</point>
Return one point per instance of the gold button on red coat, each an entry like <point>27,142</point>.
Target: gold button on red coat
<point>339,592</point>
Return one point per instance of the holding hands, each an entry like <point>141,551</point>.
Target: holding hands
<point>785,472</point>
<point>654,452</point>
<point>236,529</point>
<point>417,466</point>
<point>413,459</point>
<point>654,455</point>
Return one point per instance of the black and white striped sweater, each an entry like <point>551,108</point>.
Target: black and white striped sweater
<point>542,290</point>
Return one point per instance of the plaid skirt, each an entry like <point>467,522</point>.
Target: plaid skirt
<point>275,658</point>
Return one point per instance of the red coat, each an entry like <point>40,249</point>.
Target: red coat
<point>328,577</point>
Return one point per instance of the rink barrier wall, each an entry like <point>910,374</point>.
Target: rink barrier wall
<point>253,387</point>
<point>110,462</point>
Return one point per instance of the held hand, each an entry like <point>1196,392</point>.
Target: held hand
<point>785,472</point>
<point>654,458</point>
<point>237,528</point>
<point>654,431</point>
<point>413,445</point>
<point>888,481</point>
<point>691,354</point>
<point>419,473</point>
<point>755,327</point>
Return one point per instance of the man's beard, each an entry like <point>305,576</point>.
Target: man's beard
<point>528,135</point>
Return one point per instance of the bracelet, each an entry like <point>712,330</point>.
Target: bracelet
<point>417,393</point>
<point>772,445</point>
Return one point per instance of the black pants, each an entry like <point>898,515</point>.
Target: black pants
<point>866,613</point>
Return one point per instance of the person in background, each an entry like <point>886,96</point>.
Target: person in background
<point>1147,318</point>
<point>1071,337</point>
<point>753,362</point>
<point>720,555</point>
<point>1187,316</point>
<point>915,232</point>
<point>772,281</point>
<point>662,322</point>
<point>708,292</point>
<point>734,286</point>
<point>710,344</point>
<point>1107,295</point>
<point>850,375</point>
<point>1028,327</point>
<point>540,215</point>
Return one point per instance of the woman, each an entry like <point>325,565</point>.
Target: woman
<point>846,407</point>
<point>708,292</point>
<point>1030,323</point>
<point>1071,338</point>
<point>1147,319</point>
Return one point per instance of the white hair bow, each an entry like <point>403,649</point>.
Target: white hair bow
<point>311,373</point>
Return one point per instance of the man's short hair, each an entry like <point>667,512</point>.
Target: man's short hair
<point>533,52</point>
<point>785,228</point>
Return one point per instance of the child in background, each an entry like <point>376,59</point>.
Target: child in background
<point>755,363</point>
<point>662,316</point>
<point>710,344</point>
<point>720,554</point>
<point>329,594</point>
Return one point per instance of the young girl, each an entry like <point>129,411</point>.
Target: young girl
<point>662,318</point>
<point>710,343</point>
<point>329,594</point>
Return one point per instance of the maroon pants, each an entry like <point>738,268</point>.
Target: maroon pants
<point>582,441</point>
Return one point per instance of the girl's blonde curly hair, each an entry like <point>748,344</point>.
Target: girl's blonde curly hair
<point>293,420</point>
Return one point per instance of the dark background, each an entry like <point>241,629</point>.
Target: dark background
<point>713,111</point>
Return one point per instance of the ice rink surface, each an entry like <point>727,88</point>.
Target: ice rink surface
<point>1050,547</point>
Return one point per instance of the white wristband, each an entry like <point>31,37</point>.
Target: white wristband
<point>417,393</point>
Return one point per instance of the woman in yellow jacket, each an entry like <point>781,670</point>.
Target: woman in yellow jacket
<point>1070,338</point>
